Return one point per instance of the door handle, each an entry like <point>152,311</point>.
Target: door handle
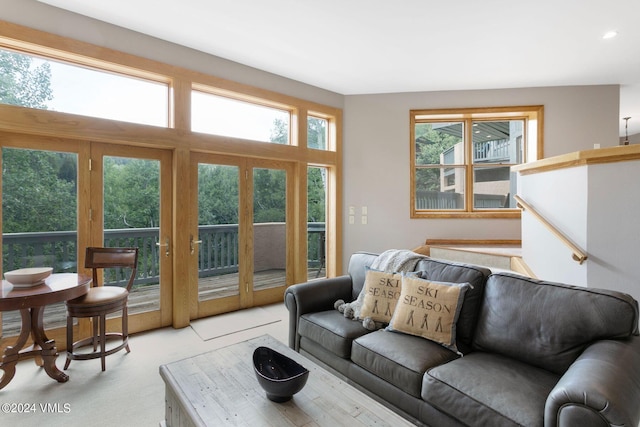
<point>192,244</point>
<point>166,245</point>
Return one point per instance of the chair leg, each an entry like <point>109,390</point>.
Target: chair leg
<point>103,339</point>
<point>94,328</point>
<point>69,341</point>
<point>125,328</point>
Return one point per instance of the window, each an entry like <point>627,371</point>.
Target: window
<point>45,84</point>
<point>461,159</point>
<point>317,132</point>
<point>240,130</point>
<point>316,220</point>
<point>219,115</point>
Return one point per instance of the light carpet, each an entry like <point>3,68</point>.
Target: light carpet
<point>230,323</point>
<point>129,393</point>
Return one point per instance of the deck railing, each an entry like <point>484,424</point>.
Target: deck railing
<point>491,151</point>
<point>218,250</point>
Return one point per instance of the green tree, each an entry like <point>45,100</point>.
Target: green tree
<point>316,179</point>
<point>279,132</point>
<point>269,195</point>
<point>131,193</point>
<point>316,194</point>
<point>34,197</point>
<point>317,133</point>
<point>39,187</point>
<point>23,84</point>
<point>217,194</point>
<point>430,144</point>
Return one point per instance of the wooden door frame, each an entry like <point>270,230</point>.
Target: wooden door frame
<point>82,150</point>
<point>148,320</point>
<point>275,294</point>
<point>247,296</point>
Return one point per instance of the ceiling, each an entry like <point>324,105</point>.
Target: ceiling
<point>382,46</point>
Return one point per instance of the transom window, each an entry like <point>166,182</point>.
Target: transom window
<point>225,116</point>
<point>46,84</point>
<point>317,132</point>
<point>461,159</point>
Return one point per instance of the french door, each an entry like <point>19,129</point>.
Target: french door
<point>130,199</point>
<point>60,196</point>
<point>240,223</point>
<point>44,197</point>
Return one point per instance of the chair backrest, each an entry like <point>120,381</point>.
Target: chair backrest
<point>99,258</point>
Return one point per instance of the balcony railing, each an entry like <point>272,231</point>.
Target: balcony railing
<point>218,251</point>
<point>491,151</point>
<point>483,152</point>
<point>218,260</point>
<point>440,200</point>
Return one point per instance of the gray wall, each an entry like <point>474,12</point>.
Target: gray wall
<point>376,156</point>
<point>633,139</point>
<point>376,127</point>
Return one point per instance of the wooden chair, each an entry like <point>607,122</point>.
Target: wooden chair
<point>100,301</point>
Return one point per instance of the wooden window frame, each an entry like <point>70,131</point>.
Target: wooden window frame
<point>533,117</point>
<point>182,142</point>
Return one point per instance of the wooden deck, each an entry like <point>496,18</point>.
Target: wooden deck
<point>146,298</point>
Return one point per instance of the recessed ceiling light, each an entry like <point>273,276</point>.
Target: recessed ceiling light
<point>610,34</point>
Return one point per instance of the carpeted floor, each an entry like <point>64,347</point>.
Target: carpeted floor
<point>230,323</point>
<point>130,392</point>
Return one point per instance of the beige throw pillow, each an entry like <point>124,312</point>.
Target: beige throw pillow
<point>381,293</point>
<point>429,309</point>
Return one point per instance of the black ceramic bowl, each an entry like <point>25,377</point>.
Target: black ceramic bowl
<point>278,375</point>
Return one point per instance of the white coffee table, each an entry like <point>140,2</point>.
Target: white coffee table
<point>220,388</point>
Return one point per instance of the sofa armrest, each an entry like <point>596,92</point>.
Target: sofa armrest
<point>601,388</point>
<point>310,297</point>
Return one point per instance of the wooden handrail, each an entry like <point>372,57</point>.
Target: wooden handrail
<point>578,254</point>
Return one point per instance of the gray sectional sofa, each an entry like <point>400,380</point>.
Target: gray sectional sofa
<point>531,353</point>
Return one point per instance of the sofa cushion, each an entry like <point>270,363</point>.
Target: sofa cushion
<point>445,271</point>
<point>358,264</point>
<point>549,324</point>
<point>331,330</point>
<point>398,358</point>
<point>489,390</point>
<point>429,309</point>
<point>381,293</point>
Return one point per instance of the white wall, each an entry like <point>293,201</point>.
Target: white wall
<point>376,156</point>
<point>33,14</point>
<point>614,227</point>
<point>596,206</point>
<point>566,207</point>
